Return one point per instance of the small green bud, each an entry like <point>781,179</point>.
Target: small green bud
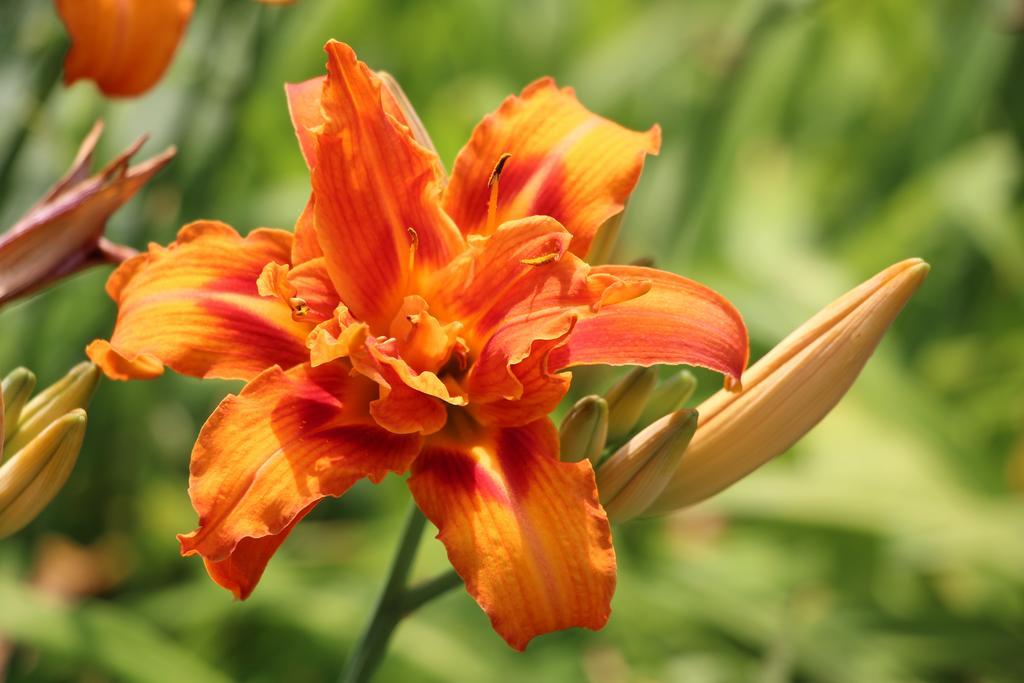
<point>627,399</point>
<point>17,387</point>
<point>584,430</point>
<point>630,479</point>
<point>33,475</point>
<point>74,390</point>
<point>670,395</point>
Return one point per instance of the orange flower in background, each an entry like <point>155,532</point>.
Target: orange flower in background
<point>125,46</point>
<point>414,324</point>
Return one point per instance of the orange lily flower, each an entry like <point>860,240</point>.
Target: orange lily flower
<point>125,46</point>
<point>414,324</point>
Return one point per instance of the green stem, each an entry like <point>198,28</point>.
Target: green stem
<point>417,596</point>
<point>45,82</point>
<point>369,650</point>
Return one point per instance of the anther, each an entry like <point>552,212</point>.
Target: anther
<point>414,243</point>
<point>492,182</point>
<point>498,168</point>
<point>300,309</point>
<point>540,260</point>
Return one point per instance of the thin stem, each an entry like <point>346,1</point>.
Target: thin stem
<point>45,82</point>
<point>417,596</point>
<point>369,650</point>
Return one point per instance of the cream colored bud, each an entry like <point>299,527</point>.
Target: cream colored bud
<point>584,430</point>
<point>636,474</point>
<point>627,399</point>
<point>17,386</point>
<point>670,395</point>
<point>74,390</point>
<point>791,389</point>
<point>36,473</point>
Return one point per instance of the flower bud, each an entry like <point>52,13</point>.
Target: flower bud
<point>584,430</point>
<point>17,387</point>
<point>791,389</point>
<point>627,399</point>
<point>34,474</point>
<point>632,477</point>
<point>670,395</point>
<point>74,390</point>
<point>63,232</point>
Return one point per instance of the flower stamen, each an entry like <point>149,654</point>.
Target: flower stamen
<point>300,309</point>
<point>414,243</point>
<point>492,182</point>
<point>540,260</point>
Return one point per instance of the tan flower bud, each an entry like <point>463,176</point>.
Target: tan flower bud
<point>584,430</point>
<point>636,474</point>
<point>791,389</point>
<point>627,399</point>
<point>17,386</point>
<point>63,232</point>
<point>36,473</point>
<point>72,391</point>
<point>670,395</point>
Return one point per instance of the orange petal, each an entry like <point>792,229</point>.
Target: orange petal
<point>304,109</point>
<point>306,247</point>
<point>567,163</point>
<point>523,530</point>
<point>123,45</point>
<point>678,321</point>
<point>408,402</point>
<point>264,456</point>
<point>306,289</point>
<point>535,390</point>
<point>373,182</point>
<point>194,307</point>
<point>512,289</point>
<point>519,273</point>
<point>421,340</point>
<point>240,571</point>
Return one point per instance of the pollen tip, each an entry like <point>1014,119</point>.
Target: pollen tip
<point>300,309</point>
<point>498,168</point>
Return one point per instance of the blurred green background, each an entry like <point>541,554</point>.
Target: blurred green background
<point>807,146</point>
